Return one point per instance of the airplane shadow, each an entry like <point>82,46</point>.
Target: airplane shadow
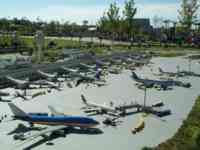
<point>23,129</point>
<point>48,141</point>
<point>131,113</point>
<point>92,131</point>
<point>123,115</point>
<point>5,101</point>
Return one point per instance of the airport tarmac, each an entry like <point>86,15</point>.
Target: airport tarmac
<point>120,89</point>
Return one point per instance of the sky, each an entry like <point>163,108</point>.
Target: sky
<point>79,10</point>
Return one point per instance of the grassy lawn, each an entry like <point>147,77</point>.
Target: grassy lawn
<point>171,51</point>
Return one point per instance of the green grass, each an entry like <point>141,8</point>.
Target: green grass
<point>170,53</point>
<point>104,49</point>
<point>188,135</point>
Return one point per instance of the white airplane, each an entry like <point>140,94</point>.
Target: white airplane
<point>91,107</point>
<point>88,67</point>
<point>72,72</point>
<point>47,76</point>
<point>85,78</point>
<point>23,84</point>
<point>20,84</point>
<point>51,84</point>
<point>2,94</point>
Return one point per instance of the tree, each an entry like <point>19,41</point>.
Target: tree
<point>113,18</point>
<point>103,24</point>
<point>129,13</point>
<point>188,13</point>
<point>110,20</point>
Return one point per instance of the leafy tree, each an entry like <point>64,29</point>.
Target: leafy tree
<point>129,13</point>
<point>188,13</point>
<point>110,20</point>
<point>102,24</point>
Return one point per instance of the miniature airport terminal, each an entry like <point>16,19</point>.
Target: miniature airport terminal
<point>118,101</point>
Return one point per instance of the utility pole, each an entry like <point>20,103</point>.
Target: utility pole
<point>145,96</point>
<point>178,68</point>
<point>39,40</point>
<point>189,64</point>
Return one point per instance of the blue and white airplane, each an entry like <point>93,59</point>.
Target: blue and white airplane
<point>56,122</point>
<point>74,121</point>
<point>162,84</point>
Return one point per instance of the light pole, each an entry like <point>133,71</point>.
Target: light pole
<point>39,39</point>
<point>145,96</point>
<point>189,64</point>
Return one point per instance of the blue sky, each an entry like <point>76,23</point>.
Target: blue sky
<point>78,10</point>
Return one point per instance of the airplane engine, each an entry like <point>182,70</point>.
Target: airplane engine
<point>60,133</point>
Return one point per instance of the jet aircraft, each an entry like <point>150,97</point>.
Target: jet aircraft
<point>162,84</point>
<point>48,76</point>
<point>91,107</point>
<point>56,123</point>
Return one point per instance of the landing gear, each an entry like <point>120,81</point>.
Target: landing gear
<point>31,125</point>
<point>50,143</point>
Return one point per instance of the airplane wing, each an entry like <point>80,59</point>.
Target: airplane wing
<point>46,74</point>
<point>92,110</point>
<point>114,114</point>
<point>43,133</point>
<point>16,81</point>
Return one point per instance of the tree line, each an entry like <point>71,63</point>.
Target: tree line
<point>25,26</point>
<point>115,24</point>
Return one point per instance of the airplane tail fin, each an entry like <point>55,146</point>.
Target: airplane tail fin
<point>134,75</point>
<point>54,111</point>
<point>83,99</point>
<point>160,70</point>
<point>9,78</point>
<point>98,75</point>
<point>17,111</point>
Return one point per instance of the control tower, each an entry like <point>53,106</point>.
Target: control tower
<point>39,41</point>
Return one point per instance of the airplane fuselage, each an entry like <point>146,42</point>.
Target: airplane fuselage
<point>163,84</point>
<point>21,84</point>
<point>47,76</point>
<point>102,107</point>
<point>74,121</point>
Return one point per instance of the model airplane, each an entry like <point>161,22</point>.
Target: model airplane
<point>71,72</point>
<point>23,84</point>
<point>20,84</point>
<point>56,123</point>
<point>162,84</point>
<point>88,67</point>
<point>189,73</point>
<point>180,73</point>
<point>171,74</point>
<point>2,94</point>
<point>91,107</point>
<point>48,76</point>
<point>83,78</point>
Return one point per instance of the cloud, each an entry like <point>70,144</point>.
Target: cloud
<point>93,12</point>
<point>167,11</point>
<point>67,13</point>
